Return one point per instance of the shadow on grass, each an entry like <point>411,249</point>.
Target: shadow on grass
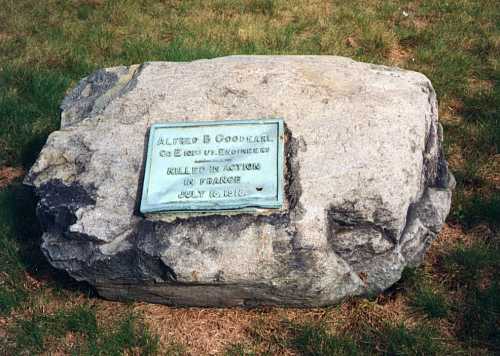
<point>29,100</point>
<point>20,239</point>
<point>477,198</point>
<point>474,272</point>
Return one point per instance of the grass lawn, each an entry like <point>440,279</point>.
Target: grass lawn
<point>449,305</point>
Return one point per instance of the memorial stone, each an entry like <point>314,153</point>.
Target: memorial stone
<point>243,180</point>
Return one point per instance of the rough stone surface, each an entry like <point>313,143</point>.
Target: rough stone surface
<point>367,185</point>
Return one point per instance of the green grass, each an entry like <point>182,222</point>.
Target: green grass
<point>399,340</point>
<point>11,298</point>
<point>478,209</point>
<point>39,332</point>
<point>467,264</point>
<point>239,350</point>
<point>474,271</point>
<point>314,340</point>
<point>423,294</point>
<point>429,302</point>
<point>481,316</point>
<point>46,47</point>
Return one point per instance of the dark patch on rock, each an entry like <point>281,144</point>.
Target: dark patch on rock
<point>142,173</point>
<point>130,265</point>
<point>343,223</point>
<point>155,268</point>
<point>435,167</point>
<point>444,179</point>
<point>56,193</point>
<point>71,255</point>
<point>123,266</point>
<point>293,189</point>
<point>83,159</point>
<point>219,277</point>
<point>132,83</point>
<point>80,101</point>
<point>208,295</point>
<point>302,258</point>
<point>58,203</point>
<point>238,93</point>
<point>343,217</point>
<point>234,223</point>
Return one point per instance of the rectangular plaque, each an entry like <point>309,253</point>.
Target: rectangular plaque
<point>214,165</point>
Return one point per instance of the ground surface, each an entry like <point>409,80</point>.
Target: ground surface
<point>449,305</point>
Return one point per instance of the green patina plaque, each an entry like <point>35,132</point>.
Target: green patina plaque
<point>214,165</point>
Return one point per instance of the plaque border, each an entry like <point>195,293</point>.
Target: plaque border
<point>221,206</point>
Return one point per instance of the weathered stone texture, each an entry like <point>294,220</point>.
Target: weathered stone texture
<point>367,185</point>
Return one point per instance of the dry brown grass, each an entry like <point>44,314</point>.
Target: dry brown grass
<point>480,86</point>
<point>233,26</point>
<point>9,174</point>
<point>202,331</point>
<point>455,157</point>
<point>399,56</point>
<point>4,36</point>
<point>210,331</point>
<point>490,171</point>
<point>89,2</point>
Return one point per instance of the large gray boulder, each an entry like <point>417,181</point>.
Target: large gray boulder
<point>367,187</point>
